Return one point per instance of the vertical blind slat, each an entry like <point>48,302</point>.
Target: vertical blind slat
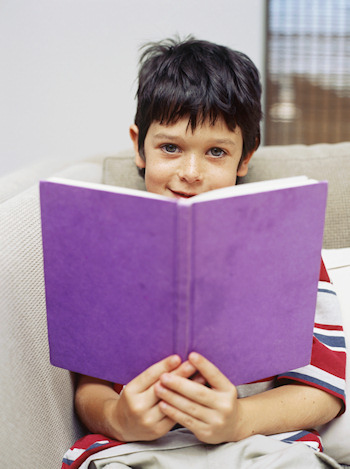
<point>308,71</point>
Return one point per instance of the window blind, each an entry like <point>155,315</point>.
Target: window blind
<point>307,71</point>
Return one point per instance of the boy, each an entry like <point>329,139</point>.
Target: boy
<point>196,128</point>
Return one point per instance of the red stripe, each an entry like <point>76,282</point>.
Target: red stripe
<point>86,442</point>
<point>264,380</point>
<point>323,273</point>
<point>328,360</point>
<point>328,327</point>
<point>118,387</point>
<point>314,437</point>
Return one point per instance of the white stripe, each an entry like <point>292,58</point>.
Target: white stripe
<point>328,309</point>
<point>73,454</point>
<point>284,436</point>
<point>312,444</point>
<point>329,332</point>
<point>290,435</point>
<point>180,438</point>
<point>334,349</point>
<point>326,286</point>
<point>317,373</point>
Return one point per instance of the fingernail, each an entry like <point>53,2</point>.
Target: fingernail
<point>175,359</point>
<point>193,356</point>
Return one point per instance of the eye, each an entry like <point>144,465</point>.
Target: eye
<point>170,148</point>
<point>216,152</point>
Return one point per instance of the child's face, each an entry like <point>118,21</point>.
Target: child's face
<point>180,163</point>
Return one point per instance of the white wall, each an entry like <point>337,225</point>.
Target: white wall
<point>68,67</point>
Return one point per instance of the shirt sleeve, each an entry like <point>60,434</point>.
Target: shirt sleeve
<point>326,370</point>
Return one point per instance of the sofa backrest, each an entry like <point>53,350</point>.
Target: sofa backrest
<point>329,162</point>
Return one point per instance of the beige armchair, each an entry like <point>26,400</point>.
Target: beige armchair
<point>37,421</point>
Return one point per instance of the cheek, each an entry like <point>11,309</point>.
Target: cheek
<point>156,175</point>
<point>225,177</point>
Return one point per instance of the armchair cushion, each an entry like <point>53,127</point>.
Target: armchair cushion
<point>37,422</point>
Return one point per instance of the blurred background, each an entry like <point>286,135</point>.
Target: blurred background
<point>307,71</point>
<point>68,68</point>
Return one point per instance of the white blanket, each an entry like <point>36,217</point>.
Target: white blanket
<point>180,449</point>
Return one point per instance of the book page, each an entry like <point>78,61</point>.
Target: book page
<point>108,188</point>
<point>251,188</point>
<point>222,193</point>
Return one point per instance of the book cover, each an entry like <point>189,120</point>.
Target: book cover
<point>131,278</point>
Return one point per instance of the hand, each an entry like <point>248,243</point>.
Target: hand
<point>137,413</point>
<point>212,414</point>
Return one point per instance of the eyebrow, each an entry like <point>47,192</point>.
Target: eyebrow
<point>216,141</point>
<point>224,141</point>
<point>166,137</point>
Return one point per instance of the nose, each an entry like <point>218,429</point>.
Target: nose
<point>190,168</point>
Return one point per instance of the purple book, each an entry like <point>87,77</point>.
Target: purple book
<point>132,277</point>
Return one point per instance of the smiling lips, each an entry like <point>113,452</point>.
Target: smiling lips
<point>183,195</point>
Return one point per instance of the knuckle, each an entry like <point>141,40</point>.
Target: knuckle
<point>226,407</point>
<point>137,408</point>
<point>207,435</point>
<point>127,394</point>
<point>147,422</point>
<point>202,393</point>
<point>192,409</point>
<point>157,432</point>
<point>218,421</point>
<point>187,421</point>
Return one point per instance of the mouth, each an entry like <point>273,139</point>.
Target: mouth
<point>182,195</point>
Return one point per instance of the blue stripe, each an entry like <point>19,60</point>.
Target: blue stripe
<point>296,437</point>
<point>97,445</point>
<point>69,462</point>
<point>324,290</point>
<point>311,379</point>
<point>332,341</point>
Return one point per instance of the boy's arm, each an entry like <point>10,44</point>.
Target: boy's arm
<point>132,415</point>
<point>216,415</point>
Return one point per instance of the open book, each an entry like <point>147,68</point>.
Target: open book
<point>132,277</point>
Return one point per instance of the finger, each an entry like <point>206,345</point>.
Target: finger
<point>186,370</point>
<point>210,372</point>
<point>193,424</point>
<point>183,404</point>
<point>198,378</point>
<point>189,389</point>
<point>148,377</point>
<point>154,416</point>
<point>164,424</point>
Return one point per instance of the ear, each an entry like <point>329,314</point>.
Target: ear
<point>134,135</point>
<point>243,167</point>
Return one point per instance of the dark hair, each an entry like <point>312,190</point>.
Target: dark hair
<point>200,80</point>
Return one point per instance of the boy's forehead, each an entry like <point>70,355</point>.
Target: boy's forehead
<point>183,126</point>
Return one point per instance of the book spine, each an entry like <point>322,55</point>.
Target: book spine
<point>183,280</point>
